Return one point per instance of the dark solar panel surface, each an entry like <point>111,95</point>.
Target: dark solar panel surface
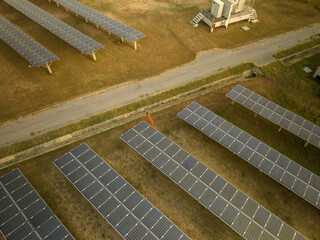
<point>27,47</point>
<point>133,216</point>
<point>62,30</point>
<point>236,209</point>
<point>24,214</point>
<point>282,169</point>
<point>284,118</point>
<point>102,20</point>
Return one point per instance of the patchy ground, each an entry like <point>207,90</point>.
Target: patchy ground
<point>170,42</point>
<point>289,87</point>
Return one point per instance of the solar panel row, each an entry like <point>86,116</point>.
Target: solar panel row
<point>24,214</point>
<point>284,118</point>
<point>287,172</point>
<point>27,47</point>
<point>240,212</point>
<point>133,216</point>
<point>62,30</point>
<point>102,20</point>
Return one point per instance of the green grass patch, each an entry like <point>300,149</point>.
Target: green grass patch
<point>298,48</point>
<point>18,147</point>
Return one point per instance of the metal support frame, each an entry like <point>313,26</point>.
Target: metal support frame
<point>135,45</point>
<point>97,26</point>
<point>122,40</point>
<point>93,54</point>
<point>232,102</point>
<point>57,4</point>
<point>255,115</point>
<point>279,130</point>
<point>306,144</point>
<point>86,20</point>
<point>49,68</point>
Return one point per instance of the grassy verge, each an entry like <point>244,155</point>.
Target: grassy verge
<point>298,48</point>
<point>122,110</point>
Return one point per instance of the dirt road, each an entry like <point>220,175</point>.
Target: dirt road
<point>206,64</point>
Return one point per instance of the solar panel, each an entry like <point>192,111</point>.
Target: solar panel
<point>24,214</point>
<point>27,47</point>
<point>240,212</point>
<point>131,215</point>
<point>284,118</point>
<point>282,169</point>
<point>102,20</point>
<point>62,30</point>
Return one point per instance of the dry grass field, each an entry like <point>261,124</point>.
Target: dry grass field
<point>170,42</point>
<point>288,86</point>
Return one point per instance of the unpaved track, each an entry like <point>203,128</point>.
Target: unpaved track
<point>206,64</point>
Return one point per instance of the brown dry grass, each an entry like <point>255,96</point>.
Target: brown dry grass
<point>85,223</point>
<point>170,42</point>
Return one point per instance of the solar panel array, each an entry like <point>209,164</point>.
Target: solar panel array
<point>27,47</point>
<point>282,169</point>
<point>24,214</point>
<point>133,216</point>
<point>236,209</point>
<point>62,30</point>
<point>284,118</point>
<point>102,20</point>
